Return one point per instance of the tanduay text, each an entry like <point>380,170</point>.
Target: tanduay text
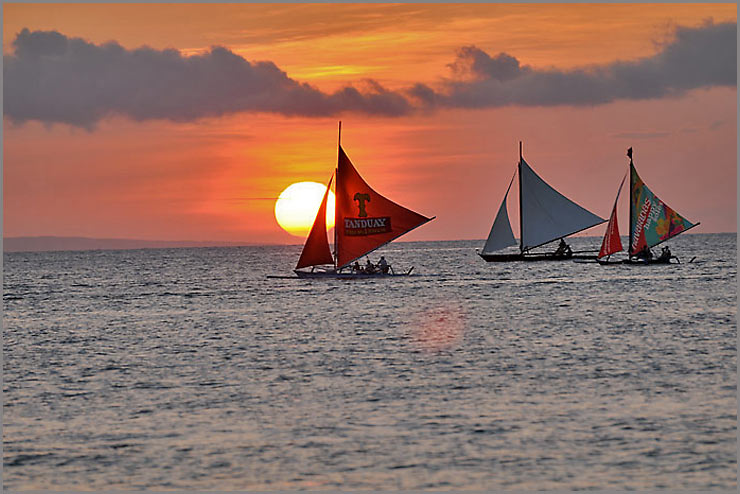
<point>366,226</point>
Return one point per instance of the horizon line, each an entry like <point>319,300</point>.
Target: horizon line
<point>151,244</point>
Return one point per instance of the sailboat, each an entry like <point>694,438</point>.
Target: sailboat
<point>544,215</point>
<point>364,221</point>
<point>652,222</point>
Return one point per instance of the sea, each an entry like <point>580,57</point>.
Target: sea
<point>190,369</point>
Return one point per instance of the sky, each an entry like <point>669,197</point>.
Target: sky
<point>186,121</point>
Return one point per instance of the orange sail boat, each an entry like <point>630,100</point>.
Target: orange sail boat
<point>364,222</point>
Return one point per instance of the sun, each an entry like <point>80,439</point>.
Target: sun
<point>298,204</point>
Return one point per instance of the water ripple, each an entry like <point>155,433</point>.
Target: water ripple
<point>188,369</point>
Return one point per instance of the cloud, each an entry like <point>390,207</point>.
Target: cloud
<point>704,56</point>
<point>471,60</point>
<point>57,79</point>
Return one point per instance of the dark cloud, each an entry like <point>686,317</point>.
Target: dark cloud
<point>477,63</point>
<point>53,78</point>
<point>704,56</point>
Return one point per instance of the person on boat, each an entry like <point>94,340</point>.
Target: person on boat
<point>356,267</point>
<point>645,254</point>
<point>383,265</point>
<point>665,254</point>
<point>369,267</point>
<point>563,250</point>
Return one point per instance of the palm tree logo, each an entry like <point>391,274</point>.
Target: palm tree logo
<point>361,200</point>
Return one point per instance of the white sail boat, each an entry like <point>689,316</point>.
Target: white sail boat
<point>364,222</point>
<point>545,215</point>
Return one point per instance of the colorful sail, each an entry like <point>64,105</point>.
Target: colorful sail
<point>546,214</point>
<point>612,243</point>
<point>365,220</point>
<point>501,235</point>
<point>651,221</point>
<point>316,250</point>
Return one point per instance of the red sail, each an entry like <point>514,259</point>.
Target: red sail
<point>316,250</point>
<point>612,243</point>
<point>364,219</point>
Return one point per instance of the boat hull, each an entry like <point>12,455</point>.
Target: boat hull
<point>346,276</point>
<point>532,257</point>
<point>638,262</point>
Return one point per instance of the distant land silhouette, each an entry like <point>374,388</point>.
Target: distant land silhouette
<point>50,243</point>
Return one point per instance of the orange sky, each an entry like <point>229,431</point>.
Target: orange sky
<point>216,177</point>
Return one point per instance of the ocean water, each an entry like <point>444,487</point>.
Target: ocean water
<point>190,369</point>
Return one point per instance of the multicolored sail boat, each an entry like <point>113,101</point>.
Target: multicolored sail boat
<point>364,222</point>
<point>652,222</point>
<point>545,215</point>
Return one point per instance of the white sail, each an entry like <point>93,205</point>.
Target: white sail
<point>501,235</point>
<point>547,214</point>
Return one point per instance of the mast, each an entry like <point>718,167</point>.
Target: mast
<point>521,223</point>
<point>629,241</point>
<point>336,209</point>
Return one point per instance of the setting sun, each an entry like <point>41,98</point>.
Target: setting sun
<point>295,209</point>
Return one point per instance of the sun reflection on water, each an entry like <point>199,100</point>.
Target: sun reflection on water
<point>438,328</point>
